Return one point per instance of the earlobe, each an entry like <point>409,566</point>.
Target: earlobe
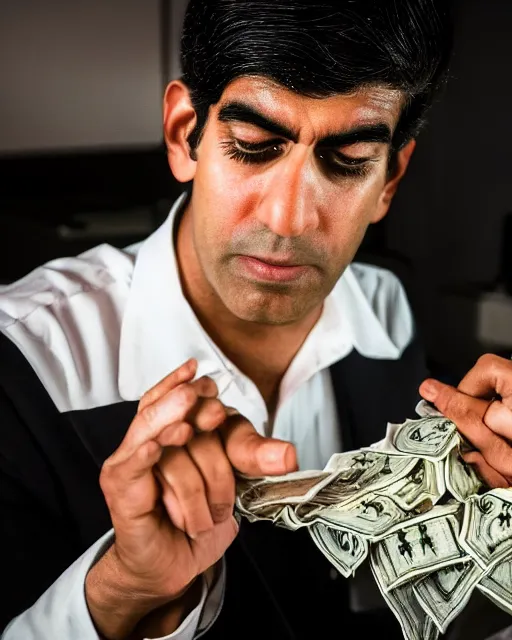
<point>402,162</point>
<point>179,121</point>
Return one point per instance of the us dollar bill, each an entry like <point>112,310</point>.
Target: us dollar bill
<point>417,547</point>
<point>416,624</point>
<point>486,531</point>
<point>371,516</point>
<point>497,585</point>
<point>443,594</point>
<point>346,550</point>
<point>429,527</point>
<point>460,478</point>
<point>431,438</point>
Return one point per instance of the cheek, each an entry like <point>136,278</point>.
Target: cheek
<point>221,201</point>
<point>227,197</point>
<point>352,206</point>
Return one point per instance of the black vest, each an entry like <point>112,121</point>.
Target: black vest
<point>278,584</point>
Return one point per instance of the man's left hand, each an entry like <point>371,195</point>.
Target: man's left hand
<point>481,407</point>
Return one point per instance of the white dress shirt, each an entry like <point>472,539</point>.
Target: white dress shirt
<point>106,326</point>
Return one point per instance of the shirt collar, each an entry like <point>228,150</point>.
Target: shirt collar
<point>381,333</point>
<point>160,330</point>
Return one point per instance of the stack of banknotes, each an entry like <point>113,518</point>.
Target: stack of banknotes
<point>430,529</point>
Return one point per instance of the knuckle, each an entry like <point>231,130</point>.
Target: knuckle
<point>147,398</point>
<point>185,396</point>
<point>493,365</point>
<point>212,415</point>
<point>487,359</point>
<point>107,478</point>
<point>149,414</point>
<point>192,491</point>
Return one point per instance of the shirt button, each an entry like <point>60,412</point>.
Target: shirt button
<point>333,574</point>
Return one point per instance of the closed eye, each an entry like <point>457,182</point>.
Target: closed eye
<point>334,162</point>
<point>340,164</point>
<point>252,152</point>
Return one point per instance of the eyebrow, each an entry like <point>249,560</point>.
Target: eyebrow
<point>237,111</point>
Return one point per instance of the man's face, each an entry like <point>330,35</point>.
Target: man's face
<point>284,190</point>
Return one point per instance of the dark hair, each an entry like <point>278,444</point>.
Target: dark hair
<point>319,49</point>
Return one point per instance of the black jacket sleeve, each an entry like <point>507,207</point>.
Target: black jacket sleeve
<point>36,543</point>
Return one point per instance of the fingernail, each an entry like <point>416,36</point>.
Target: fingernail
<point>429,390</point>
<point>275,456</point>
<point>220,512</point>
<point>271,455</point>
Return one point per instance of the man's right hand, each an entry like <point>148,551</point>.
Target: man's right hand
<point>170,489</point>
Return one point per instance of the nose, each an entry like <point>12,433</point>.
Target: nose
<point>287,205</point>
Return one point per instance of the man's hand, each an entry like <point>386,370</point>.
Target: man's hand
<point>170,489</point>
<point>481,407</point>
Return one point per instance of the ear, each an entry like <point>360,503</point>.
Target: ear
<point>386,197</point>
<point>179,121</point>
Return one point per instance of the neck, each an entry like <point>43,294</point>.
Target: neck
<point>262,352</point>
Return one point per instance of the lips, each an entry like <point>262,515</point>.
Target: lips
<point>271,269</point>
<point>275,261</point>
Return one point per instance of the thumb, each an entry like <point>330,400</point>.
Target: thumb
<point>451,402</point>
<point>434,391</point>
<point>252,454</point>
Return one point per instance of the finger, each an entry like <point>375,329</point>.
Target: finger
<point>489,475</point>
<point>468,414</point>
<point>207,414</point>
<point>207,452</point>
<point>170,501</point>
<point>174,435</point>
<point>498,418</point>
<point>206,387</point>
<point>491,375</point>
<point>179,471</point>
<point>168,410</point>
<point>182,374</point>
<point>253,454</point>
<point>129,486</point>
<point>210,546</point>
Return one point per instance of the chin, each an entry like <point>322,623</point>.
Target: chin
<point>267,311</point>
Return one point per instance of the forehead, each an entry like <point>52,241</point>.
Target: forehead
<point>365,106</point>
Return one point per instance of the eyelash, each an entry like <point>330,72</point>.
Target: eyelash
<point>261,152</point>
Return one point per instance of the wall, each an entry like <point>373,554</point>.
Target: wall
<point>79,75</point>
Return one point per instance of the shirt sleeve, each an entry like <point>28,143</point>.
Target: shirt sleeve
<point>62,612</point>
<point>44,596</point>
<point>200,619</point>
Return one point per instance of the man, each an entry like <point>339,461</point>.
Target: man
<point>238,337</point>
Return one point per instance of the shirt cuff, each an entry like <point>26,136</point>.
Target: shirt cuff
<point>62,611</point>
<point>200,619</point>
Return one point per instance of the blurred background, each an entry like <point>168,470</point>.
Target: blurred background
<point>82,159</point>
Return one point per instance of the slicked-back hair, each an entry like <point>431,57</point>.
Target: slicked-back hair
<point>319,48</point>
